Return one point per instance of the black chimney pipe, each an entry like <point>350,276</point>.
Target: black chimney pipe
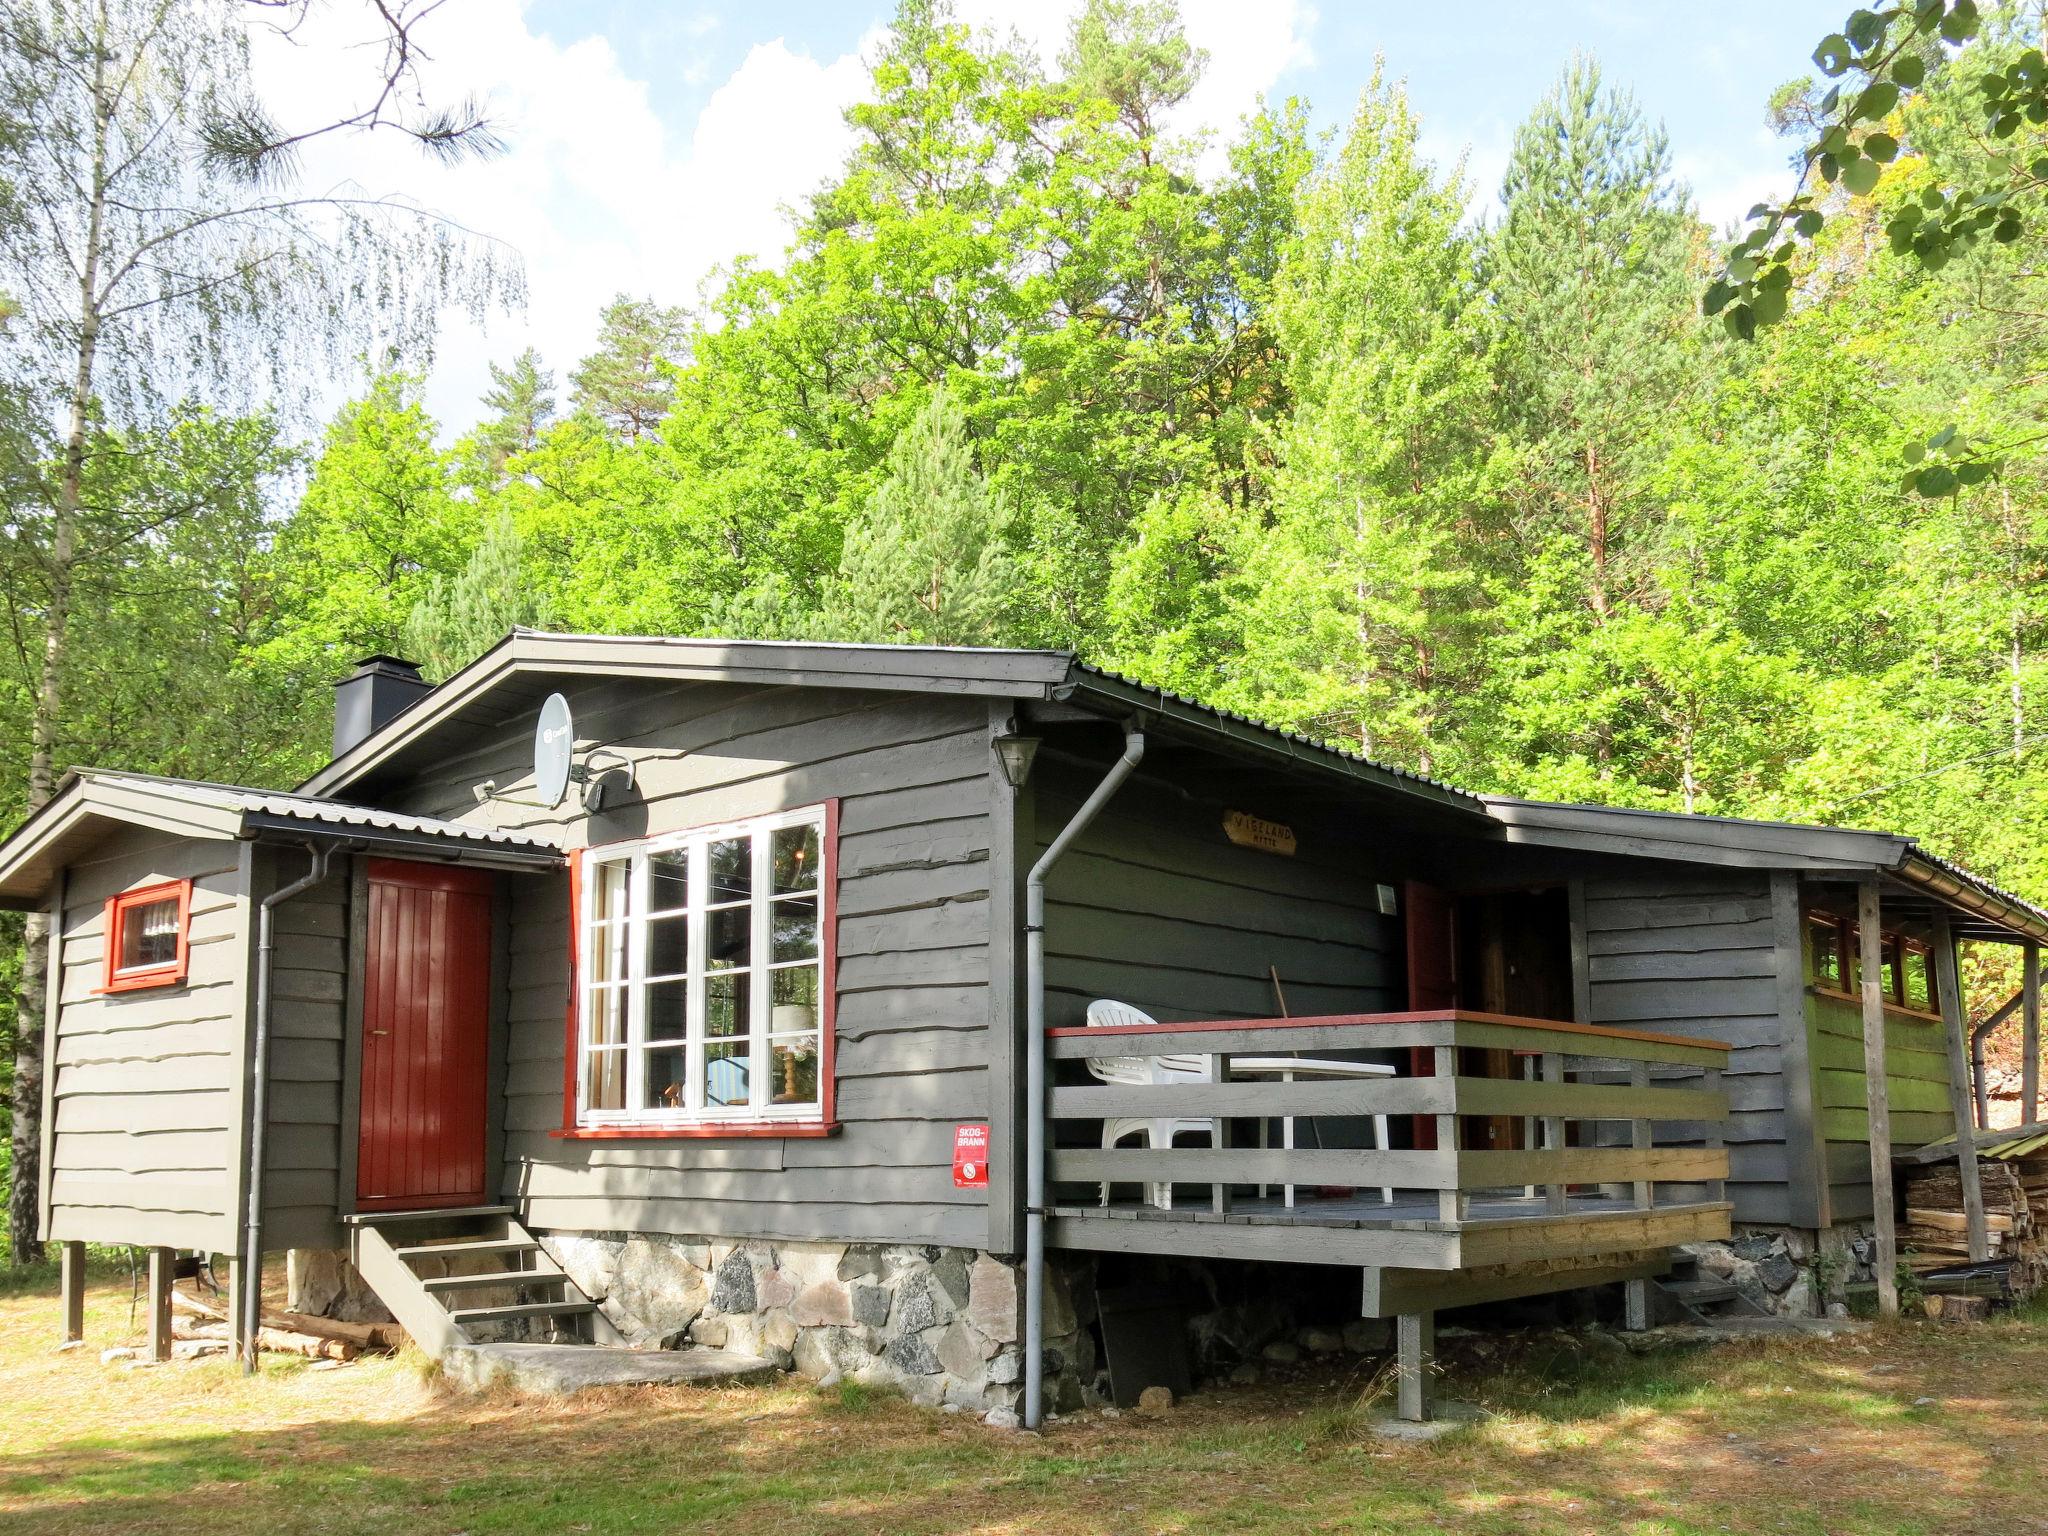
<point>379,688</point>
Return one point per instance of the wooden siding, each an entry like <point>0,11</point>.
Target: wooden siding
<point>912,777</point>
<point>304,1139</point>
<point>1694,952</point>
<point>146,1088</point>
<point>1916,1072</point>
<point>1155,907</point>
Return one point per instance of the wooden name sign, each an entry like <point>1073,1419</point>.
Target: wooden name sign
<point>1251,832</point>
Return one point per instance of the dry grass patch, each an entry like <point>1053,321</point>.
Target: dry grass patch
<point>1771,1439</point>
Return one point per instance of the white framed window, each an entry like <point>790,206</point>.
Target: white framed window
<point>703,980</point>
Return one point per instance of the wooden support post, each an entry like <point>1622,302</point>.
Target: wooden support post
<point>1645,1192</point>
<point>1877,1097</point>
<point>159,1299</point>
<point>1715,1135</point>
<point>1949,987</point>
<point>1219,1134</point>
<point>1554,1194</point>
<point>1635,1296</point>
<point>2030,1031</point>
<point>1415,1363</point>
<point>1529,1122</point>
<point>71,1285</point>
<point>1450,1203</point>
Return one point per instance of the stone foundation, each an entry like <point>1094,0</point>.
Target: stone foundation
<point>940,1325</point>
<point>322,1283</point>
<point>1789,1271</point>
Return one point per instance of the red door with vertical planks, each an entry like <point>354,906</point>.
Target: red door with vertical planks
<point>426,1033</point>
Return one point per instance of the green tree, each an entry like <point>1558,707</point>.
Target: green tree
<point>927,561</point>
<point>625,382</point>
<point>458,619</point>
<point>521,401</point>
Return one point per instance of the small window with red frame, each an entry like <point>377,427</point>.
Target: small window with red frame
<point>146,936</point>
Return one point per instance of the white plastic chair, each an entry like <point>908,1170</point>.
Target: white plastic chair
<point>1145,1072</point>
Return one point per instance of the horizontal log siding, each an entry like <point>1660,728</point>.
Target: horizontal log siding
<point>1916,1072</point>
<point>911,775</point>
<point>302,1187</point>
<point>1693,953</point>
<point>1155,907</point>
<point>145,1093</point>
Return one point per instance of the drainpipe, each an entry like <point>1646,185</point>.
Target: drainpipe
<point>259,1100</point>
<point>1034,1071</point>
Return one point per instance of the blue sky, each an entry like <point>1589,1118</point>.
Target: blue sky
<point>651,141</point>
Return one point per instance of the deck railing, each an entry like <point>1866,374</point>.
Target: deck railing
<point>1625,1091</point>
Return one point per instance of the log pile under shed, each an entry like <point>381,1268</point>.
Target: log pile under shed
<point>2013,1173</point>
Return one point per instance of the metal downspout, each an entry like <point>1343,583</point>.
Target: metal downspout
<point>1034,1071</point>
<point>259,1100</point>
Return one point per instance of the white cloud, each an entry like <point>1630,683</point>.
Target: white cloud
<point>598,195</point>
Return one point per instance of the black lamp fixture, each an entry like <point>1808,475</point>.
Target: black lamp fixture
<point>1016,752</point>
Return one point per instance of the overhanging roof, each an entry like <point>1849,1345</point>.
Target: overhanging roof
<point>509,681</point>
<point>90,800</point>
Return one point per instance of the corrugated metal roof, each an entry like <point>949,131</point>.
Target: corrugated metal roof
<point>1296,737</point>
<point>310,808</point>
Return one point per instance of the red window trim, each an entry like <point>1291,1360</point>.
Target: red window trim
<point>170,973</point>
<point>827,1123</point>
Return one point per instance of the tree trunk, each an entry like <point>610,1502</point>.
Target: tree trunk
<point>27,1145</point>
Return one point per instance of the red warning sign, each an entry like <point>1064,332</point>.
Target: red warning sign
<point>970,1157</point>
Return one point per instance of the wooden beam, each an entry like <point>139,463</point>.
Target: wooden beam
<point>1877,1096</point>
<point>159,1298</point>
<point>1390,1292</point>
<point>1948,985</point>
<point>71,1286</point>
<point>2030,1031</point>
<point>1415,1362</point>
<point>1261,1099</point>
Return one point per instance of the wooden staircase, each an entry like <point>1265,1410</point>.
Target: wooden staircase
<point>448,1274</point>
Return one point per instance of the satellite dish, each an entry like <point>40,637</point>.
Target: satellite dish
<point>554,740</point>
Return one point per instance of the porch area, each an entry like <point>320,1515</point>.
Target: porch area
<point>1613,1158</point>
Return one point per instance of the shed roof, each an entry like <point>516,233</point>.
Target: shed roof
<point>88,799</point>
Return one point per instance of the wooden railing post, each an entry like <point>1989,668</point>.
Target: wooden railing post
<point>1713,1136</point>
<point>1877,1097</point>
<point>1948,985</point>
<point>1450,1203</point>
<point>1645,1192</point>
<point>1554,1191</point>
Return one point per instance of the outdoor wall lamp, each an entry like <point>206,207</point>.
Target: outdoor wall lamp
<point>1016,753</point>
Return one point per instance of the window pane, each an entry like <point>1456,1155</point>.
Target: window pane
<point>726,1073</point>
<point>725,1006</point>
<point>793,925</point>
<point>1827,956</point>
<point>149,934</point>
<point>606,1080</point>
<point>608,953</point>
<point>729,937</point>
<point>668,945</point>
<point>1918,993</point>
<point>794,1079</point>
<point>794,856</point>
<point>665,1079</point>
<point>668,880</point>
<point>611,891</point>
<point>607,1016</point>
<point>732,870</point>
<point>793,1000</point>
<point>667,1009</point>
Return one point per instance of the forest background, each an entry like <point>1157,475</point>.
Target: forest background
<point>1307,435</point>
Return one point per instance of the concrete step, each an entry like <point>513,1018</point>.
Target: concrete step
<point>560,1369</point>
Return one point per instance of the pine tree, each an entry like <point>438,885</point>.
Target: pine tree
<point>458,619</point>
<point>625,382</point>
<point>927,561</point>
<point>1359,616</point>
<point>1588,273</point>
<point>522,402</point>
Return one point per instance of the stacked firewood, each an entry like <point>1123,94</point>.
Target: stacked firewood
<point>1935,1234</point>
<point>286,1333</point>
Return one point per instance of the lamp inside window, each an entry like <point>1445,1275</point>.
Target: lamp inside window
<point>147,932</point>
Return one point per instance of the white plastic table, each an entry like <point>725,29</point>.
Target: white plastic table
<point>1287,1069</point>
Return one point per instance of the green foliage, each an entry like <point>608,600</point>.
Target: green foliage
<point>625,383</point>
<point>456,620</point>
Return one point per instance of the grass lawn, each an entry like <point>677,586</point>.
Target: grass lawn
<point>1775,1438</point>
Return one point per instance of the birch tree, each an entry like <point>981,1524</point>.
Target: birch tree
<point>156,248</point>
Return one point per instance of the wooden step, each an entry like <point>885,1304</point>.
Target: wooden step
<point>497,1278</point>
<point>1702,1292</point>
<point>445,1213</point>
<point>465,1316</point>
<point>472,1248</point>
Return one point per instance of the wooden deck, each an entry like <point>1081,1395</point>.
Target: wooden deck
<point>1621,1160</point>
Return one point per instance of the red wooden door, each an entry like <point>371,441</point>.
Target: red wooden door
<point>1432,976</point>
<point>426,1027</point>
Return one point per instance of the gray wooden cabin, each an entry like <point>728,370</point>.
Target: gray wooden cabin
<point>791,880</point>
